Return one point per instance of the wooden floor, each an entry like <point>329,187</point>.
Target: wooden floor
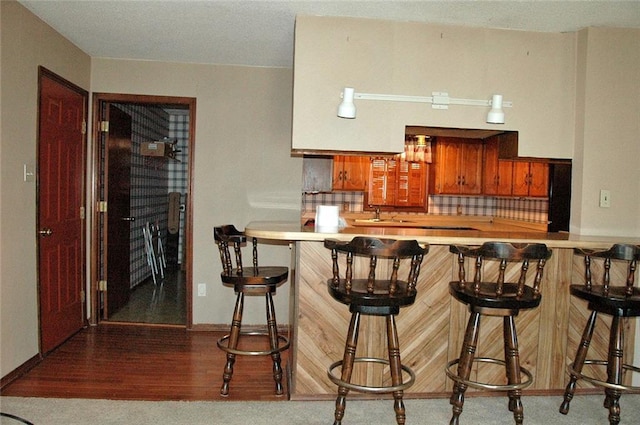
<point>145,363</point>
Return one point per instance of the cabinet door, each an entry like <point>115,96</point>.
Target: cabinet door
<point>412,184</point>
<point>377,181</point>
<point>417,181</point>
<point>355,172</point>
<point>391,184</point>
<point>539,179</point>
<point>470,166</point>
<point>505,178</point>
<point>447,178</point>
<point>491,172</point>
<point>497,173</point>
<point>530,179</point>
<point>338,172</point>
<point>382,181</point>
<point>350,172</point>
<point>520,179</point>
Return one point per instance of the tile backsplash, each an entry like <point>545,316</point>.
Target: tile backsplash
<point>530,209</point>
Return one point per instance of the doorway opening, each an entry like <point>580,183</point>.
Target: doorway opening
<point>141,253</point>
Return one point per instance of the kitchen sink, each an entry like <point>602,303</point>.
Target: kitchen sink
<point>446,228</point>
<point>381,220</point>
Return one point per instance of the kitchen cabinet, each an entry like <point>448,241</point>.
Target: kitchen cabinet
<point>317,174</point>
<point>397,183</point>
<point>382,181</point>
<point>350,172</point>
<point>497,173</point>
<point>530,179</point>
<point>458,167</point>
<point>411,184</point>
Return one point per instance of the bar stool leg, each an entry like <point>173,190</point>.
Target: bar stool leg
<point>273,342</point>
<point>512,360</point>
<point>347,366</point>
<point>234,336</point>
<point>578,363</point>
<point>464,365</point>
<point>614,369</point>
<point>395,365</point>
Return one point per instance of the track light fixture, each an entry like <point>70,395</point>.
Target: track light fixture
<point>438,100</point>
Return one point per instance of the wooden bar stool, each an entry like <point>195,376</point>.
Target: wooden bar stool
<point>376,296</point>
<point>498,297</point>
<point>620,301</point>
<point>250,280</point>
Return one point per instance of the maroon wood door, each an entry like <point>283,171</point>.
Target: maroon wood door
<point>118,169</point>
<point>61,155</point>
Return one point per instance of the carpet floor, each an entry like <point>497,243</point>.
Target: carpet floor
<point>585,409</point>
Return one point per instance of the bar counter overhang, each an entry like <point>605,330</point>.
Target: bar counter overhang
<point>432,329</point>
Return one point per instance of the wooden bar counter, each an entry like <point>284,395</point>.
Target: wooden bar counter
<point>431,330</point>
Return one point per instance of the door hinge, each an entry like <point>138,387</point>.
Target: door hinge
<point>104,126</point>
<point>84,127</point>
<point>102,206</point>
<point>102,285</point>
<point>81,213</point>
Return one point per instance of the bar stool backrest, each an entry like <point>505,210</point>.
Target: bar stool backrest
<point>228,235</point>
<point>618,252</point>
<point>377,248</point>
<point>505,253</point>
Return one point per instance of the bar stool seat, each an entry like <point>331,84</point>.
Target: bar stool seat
<point>620,301</point>
<point>374,296</point>
<point>250,280</point>
<point>496,297</point>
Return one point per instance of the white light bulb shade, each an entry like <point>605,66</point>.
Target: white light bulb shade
<point>347,108</point>
<point>496,114</point>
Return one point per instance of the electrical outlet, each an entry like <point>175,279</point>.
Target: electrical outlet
<point>605,198</point>
<point>202,289</point>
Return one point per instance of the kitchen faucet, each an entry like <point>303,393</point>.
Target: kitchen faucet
<point>377,216</point>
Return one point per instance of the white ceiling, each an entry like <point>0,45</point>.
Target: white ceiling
<point>260,32</point>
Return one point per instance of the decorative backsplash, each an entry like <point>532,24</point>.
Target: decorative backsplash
<point>529,209</point>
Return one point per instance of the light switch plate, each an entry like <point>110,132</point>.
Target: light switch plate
<point>605,198</point>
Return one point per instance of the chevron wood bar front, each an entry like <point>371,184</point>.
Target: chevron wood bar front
<point>432,329</point>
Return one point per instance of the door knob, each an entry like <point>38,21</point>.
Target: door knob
<point>45,232</point>
<point>128,219</point>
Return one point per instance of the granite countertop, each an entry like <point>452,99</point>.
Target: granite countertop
<point>483,231</point>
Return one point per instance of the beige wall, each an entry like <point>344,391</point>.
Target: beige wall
<point>536,71</point>
<point>26,44</point>
<point>607,145</point>
<point>243,169</point>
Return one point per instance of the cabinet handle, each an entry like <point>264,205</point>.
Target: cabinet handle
<point>345,176</point>
<point>463,181</point>
<point>340,175</point>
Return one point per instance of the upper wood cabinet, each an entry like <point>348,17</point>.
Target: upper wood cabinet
<point>397,183</point>
<point>530,179</point>
<point>350,172</point>
<point>382,181</point>
<point>497,173</point>
<point>411,184</point>
<point>458,167</point>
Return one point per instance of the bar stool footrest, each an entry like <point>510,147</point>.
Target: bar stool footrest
<point>489,386</point>
<point>601,383</point>
<point>367,388</point>
<point>281,339</point>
